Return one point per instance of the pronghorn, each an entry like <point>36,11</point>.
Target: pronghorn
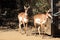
<point>41,19</point>
<point>23,18</point>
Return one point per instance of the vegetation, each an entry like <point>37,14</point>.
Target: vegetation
<point>40,5</point>
<point>12,7</point>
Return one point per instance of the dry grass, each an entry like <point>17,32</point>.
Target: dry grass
<point>15,35</point>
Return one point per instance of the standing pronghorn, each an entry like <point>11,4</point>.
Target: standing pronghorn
<point>23,18</point>
<point>41,19</point>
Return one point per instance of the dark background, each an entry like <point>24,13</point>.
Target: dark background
<point>56,19</point>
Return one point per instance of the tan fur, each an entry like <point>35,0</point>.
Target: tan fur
<point>23,18</point>
<point>41,19</point>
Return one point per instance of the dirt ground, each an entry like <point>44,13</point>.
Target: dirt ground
<point>15,35</point>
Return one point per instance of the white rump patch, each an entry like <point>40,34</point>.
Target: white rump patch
<point>37,21</point>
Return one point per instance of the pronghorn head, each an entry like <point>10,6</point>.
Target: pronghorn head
<point>26,9</point>
<point>48,14</point>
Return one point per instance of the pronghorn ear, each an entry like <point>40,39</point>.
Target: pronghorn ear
<point>24,7</point>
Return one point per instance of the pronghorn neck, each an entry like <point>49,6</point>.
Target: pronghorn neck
<point>46,15</point>
<point>26,12</point>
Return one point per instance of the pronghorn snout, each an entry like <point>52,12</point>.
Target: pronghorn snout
<point>49,15</point>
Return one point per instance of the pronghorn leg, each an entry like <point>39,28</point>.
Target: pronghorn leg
<point>26,26</point>
<point>35,27</point>
<point>19,27</point>
<point>43,30</point>
<point>39,30</point>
